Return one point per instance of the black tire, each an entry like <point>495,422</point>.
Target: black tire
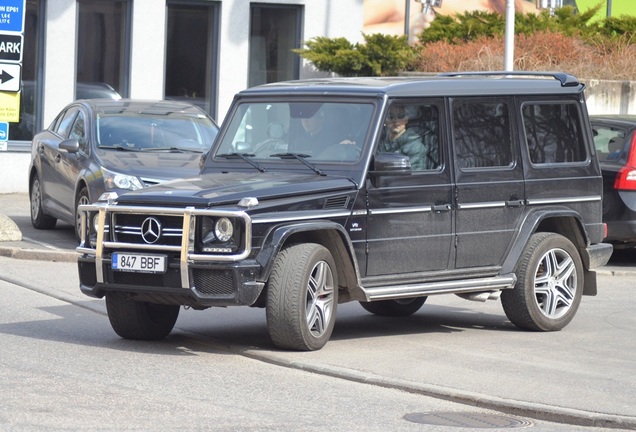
<point>82,198</point>
<point>39,219</point>
<point>549,284</point>
<point>140,320</point>
<point>394,308</point>
<point>302,297</point>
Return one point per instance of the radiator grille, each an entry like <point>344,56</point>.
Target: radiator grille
<point>138,229</point>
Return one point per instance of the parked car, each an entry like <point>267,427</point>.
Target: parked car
<point>24,130</point>
<point>615,142</point>
<point>98,145</point>
<point>314,195</point>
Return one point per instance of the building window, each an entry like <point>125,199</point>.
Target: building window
<point>274,31</point>
<point>102,44</point>
<point>30,93</point>
<point>191,53</point>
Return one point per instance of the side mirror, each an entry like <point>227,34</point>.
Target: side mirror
<point>202,159</point>
<point>70,145</point>
<point>391,164</point>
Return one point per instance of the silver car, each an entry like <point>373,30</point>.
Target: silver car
<point>99,145</point>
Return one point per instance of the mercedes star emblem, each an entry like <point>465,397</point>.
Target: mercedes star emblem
<point>151,230</point>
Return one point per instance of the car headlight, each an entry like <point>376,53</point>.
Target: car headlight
<point>217,235</point>
<point>114,180</point>
<point>223,229</point>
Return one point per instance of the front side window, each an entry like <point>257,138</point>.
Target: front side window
<point>412,130</point>
<point>64,125</point>
<point>481,134</point>
<point>322,131</point>
<point>78,131</point>
<point>554,133</point>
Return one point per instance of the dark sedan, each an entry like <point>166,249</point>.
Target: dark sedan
<point>99,145</point>
<point>615,141</point>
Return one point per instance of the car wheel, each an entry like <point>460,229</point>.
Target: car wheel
<point>394,308</point>
<point>39,219</point>
<point>549,284</point>
<point>82,199</point>
<point>302,296</point>
<point>140,320</point>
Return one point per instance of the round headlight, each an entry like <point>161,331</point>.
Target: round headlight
<point>223,229</point>
<point>96,222</point>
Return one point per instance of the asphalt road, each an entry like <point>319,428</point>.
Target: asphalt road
<point>451,349</point>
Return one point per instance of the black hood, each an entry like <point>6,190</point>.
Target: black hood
<point>229,188</point>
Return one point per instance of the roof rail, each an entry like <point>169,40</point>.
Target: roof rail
<point>566,80</point>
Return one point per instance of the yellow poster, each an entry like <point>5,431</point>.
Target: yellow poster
<point>10,107</point>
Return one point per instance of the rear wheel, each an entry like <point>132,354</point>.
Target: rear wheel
<point>39,220</point>
<point>394,308</point>
<point>140,320</point>
<point>302,296</point>
<point>549,285</point>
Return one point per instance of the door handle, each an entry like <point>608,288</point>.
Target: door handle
<point>441,208</point>
<point>514,203</point>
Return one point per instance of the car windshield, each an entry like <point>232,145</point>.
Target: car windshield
<point>186,133</point>
<point>318,131</point>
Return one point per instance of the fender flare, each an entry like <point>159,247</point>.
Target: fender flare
<point>567,221</point>
<point>332,235</point>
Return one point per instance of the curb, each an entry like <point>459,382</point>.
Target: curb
<point>537,411</point>
<point>39,254</point>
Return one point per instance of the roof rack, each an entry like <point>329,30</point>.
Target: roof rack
<point>566,80</point>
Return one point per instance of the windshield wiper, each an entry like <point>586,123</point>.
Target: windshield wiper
<point>245,156</point>
<point>301,157</point>
<point>117,147</point>
<point>172,150</point>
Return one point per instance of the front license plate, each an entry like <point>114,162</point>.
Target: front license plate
<point>139,263</point>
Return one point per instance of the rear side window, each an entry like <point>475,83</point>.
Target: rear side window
<point>554,133</point>
<point>481,134</point>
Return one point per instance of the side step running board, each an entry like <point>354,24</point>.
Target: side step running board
<point>446,287</point>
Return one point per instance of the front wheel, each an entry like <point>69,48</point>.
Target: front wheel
<point>140,320</point>
<point>302,296</point>
<point>39,219</point>
<point>82,198</point>
<point>549,285</point>
<point>394,308</point>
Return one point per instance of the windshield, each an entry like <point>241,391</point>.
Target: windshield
<point>318,131</point>
<point>188,133</point>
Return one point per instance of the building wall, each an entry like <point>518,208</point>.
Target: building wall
<point>330,18</point>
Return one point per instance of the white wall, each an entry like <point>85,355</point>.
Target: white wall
<point>147,70</point>
<point>329,18</point>
<point>59,58</point>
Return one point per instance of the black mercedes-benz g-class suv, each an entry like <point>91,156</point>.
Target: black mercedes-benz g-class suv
<point>377,190</point>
